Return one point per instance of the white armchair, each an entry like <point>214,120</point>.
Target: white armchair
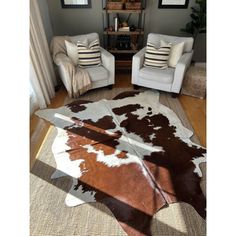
<point>100,76</point>
<point>170,79</point>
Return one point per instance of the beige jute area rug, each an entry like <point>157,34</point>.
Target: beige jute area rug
<point>49,216</point>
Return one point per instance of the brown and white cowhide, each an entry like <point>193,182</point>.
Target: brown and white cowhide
<point>130,153</point>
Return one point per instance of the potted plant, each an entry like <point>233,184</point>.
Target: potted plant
<point>198,23</point>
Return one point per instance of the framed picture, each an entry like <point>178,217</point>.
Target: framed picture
<point>76,3</point>
<point>173,4</point>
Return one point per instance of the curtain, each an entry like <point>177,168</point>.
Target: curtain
<point>42,75</point>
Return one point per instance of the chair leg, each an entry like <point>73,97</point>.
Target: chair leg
<point>135,86</point>
<point>110,86</point>
<point>174,95</point>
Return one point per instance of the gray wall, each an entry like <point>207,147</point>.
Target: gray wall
<point>44,12</point>
<point>164,21</point>
<point>170,21</point>
<point>68,21</point>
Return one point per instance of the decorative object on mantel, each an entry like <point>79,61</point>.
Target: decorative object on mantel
<point>194,83</point>
<point>115,5</point>
<point>124,23</point>
<point>116,24</point>
<point>123,42</point>
<point>124,28</point>
<point>132,28</point>
<point>109,146</point>
<point>134,45</point>
<point>124,4</point>
<point>179,4</point>
<point>133,5</point>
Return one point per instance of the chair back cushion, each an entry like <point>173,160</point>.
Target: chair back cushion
<point>85,37</point>
<point>155,39</point>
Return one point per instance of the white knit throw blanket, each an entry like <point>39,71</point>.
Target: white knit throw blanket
<point>81,83</point>
<point>80,80</point>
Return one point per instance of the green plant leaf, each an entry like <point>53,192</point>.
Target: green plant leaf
<point>194,10</point>
<point>198,19</point>
<point>190,28</point>
<point>194,17</point>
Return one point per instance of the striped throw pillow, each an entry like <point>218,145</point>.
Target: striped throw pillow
<point>89,55</point>
<point>157,57</point>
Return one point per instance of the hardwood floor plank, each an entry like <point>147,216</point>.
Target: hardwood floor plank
<point>195,110</point>
<point>123,79</point>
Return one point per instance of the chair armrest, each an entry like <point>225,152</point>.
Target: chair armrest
<point>138,58</point>
<point>137,63</point>
<point>108,61</point>
<point>180,70</point>
<point>107,58</point>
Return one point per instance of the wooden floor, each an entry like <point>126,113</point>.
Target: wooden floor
<point>194,108</point>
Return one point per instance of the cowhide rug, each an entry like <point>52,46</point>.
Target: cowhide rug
<point>130,153</point>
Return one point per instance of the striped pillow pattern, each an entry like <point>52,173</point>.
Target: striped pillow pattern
<point>89,56</point>
<point>157,57</point>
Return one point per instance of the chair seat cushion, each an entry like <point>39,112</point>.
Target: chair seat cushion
<point>158,75</point>
<point>96,73</point>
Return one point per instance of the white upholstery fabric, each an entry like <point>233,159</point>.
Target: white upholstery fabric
<point>156,39</point>
<point>163,76</point>
<point>97,73</point>
<point>85,38</point>
<point>170,79</point>
<point>101,76</point>
<point>108,62</point>
<point>182,66</point>
<point>137,64</point>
